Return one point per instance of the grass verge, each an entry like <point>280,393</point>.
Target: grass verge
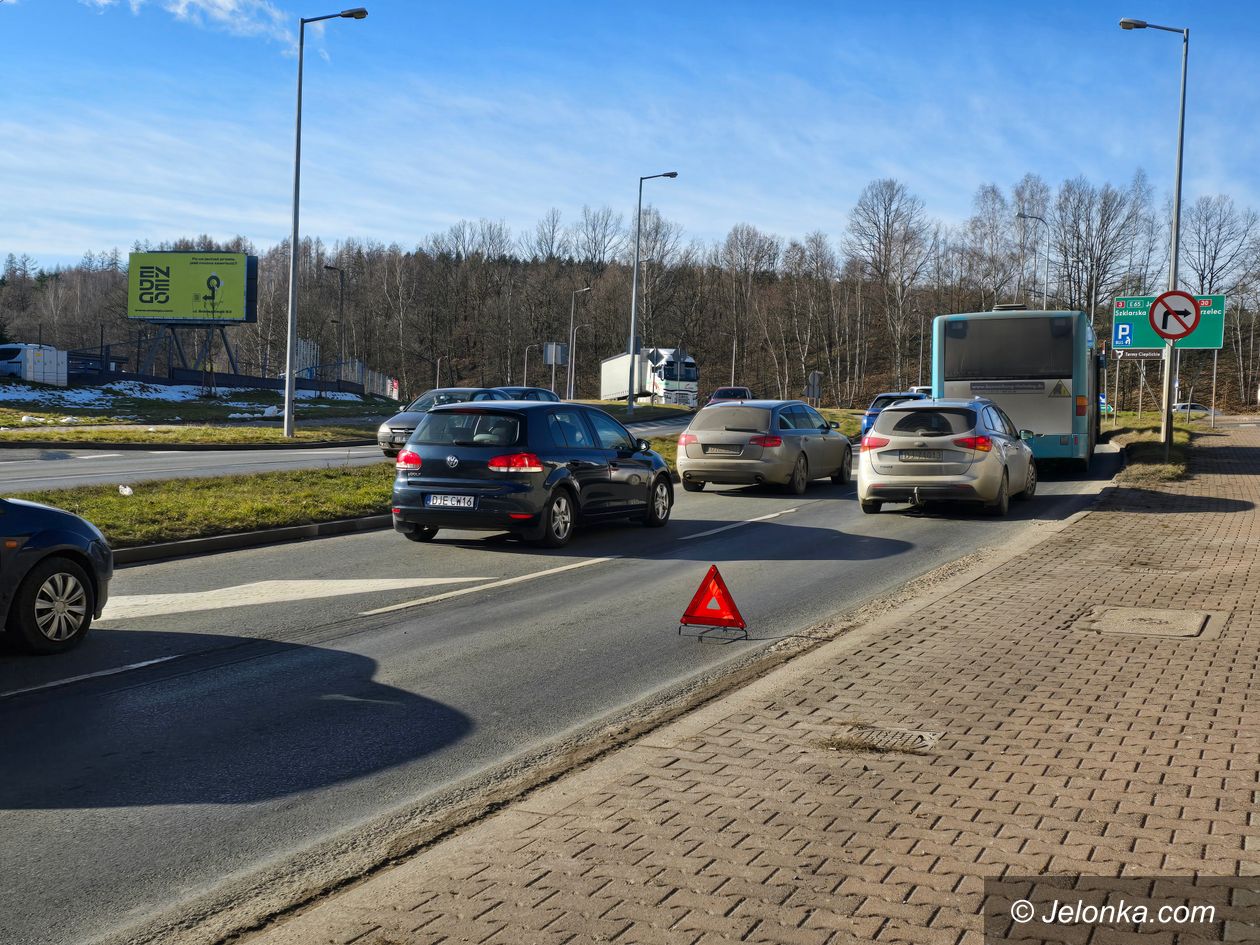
<point>197,508</point>
<point>12,418</point>
<point>192,435</point>
<point>1144,452</point>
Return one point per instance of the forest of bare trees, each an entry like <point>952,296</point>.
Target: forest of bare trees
<point>756,308</point>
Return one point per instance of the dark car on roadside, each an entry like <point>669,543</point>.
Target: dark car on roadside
<point>55,569</point>
<point>726,394</point>
<point>887,400</point>
<point>532,468</point>
<point>393,433</point>
<point>530,393</point>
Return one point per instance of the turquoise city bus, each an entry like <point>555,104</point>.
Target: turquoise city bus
<point>1042,368</point>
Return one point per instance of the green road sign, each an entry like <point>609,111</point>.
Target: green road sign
<point>1131,326</point>
<point>192,287</point>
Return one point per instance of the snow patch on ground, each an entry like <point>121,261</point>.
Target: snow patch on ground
<point>104,397</point>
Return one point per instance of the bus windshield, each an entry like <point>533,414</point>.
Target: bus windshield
<point>1008,348</point>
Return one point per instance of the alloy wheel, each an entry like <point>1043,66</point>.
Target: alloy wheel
<point>60,607</point>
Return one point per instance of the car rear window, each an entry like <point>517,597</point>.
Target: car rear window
<point>733,417</point>
<point>886,400</point>
<point>732,392</point>
<point>468,428</point>
<point>926,421</point>
<point>437,398</point>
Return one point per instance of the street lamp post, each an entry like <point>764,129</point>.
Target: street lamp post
<point>634,290</point>
<point>290,380</point>
<point>525,373</point>
<point>437,369</point>
<point>341,318</point>
<point>573,379</point>
<point>1128,23</point>
<point>1045,284</point>
<point>572,372</point>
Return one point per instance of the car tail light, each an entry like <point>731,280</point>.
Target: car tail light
<point>767,440</point>
<point>516,463</point>
<point>686,439</point>
<point>396,511</point>
<point>407,461</point>
<point>981,443</point>
<point>873,442</point>
<point>1080,406</point>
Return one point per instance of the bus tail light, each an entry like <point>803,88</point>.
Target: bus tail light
<point>1080,406</point>
<point>873,442</point>
<point>981,444</point>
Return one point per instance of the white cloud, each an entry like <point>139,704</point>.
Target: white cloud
<point>239,17</point>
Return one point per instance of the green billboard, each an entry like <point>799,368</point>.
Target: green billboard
<point>193,287</point>
<point>1131,324</point>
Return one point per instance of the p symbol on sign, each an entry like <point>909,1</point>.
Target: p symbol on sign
<point>1124,336</point>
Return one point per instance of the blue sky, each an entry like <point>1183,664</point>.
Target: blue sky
<point>151,119</point>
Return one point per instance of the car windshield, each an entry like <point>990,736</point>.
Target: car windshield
<point>468,428</point>
<point>926,421</point>
<point>887,400</point>
<point>737,419</point>
<point>435,398</point>
<point>8,354</point>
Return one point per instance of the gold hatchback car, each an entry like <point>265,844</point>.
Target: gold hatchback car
<point>751,442</point>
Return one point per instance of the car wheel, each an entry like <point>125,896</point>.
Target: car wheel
<point>660,501</point>
<point>871,506</point>
<point>844,474</point>
<point>420,533</point>
<point>1002,504</point>
<point>53,607</point>
<point>690,486</point>
<point>800,477</point>
<point>1030,484</point>
<point>390,454</point>
<point>558,520</point>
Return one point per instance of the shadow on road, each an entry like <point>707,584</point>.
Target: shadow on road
<point>1135,499</point>
<point>255,721</point>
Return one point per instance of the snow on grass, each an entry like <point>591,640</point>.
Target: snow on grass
<point>104,397</point>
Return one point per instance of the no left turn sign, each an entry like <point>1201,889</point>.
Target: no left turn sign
<point>1174,315</point>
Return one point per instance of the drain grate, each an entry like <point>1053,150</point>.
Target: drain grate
<point>873,738</point>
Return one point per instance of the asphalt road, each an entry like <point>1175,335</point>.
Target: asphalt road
<point>26,470</point>
<point>237,709</point>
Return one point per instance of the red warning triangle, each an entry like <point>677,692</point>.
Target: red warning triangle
<point>713,605</point>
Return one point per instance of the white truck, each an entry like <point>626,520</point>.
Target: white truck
<point>662,375</point>
<point>43,364</point>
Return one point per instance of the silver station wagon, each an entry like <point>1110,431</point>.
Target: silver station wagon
<point>762,441</point>
<point>955,450</point>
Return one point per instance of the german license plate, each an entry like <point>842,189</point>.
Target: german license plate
<point>920,456</point>
<point>450,501</point>
<point>722,450</point>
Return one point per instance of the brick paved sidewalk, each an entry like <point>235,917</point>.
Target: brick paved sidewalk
<point>1064,750</point>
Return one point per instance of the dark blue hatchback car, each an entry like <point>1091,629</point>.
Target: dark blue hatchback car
<point>535,469</point>
<point>54,575</point>
<point>886,400</point>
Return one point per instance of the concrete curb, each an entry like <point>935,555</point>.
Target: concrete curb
<point>179,447</point>
<point>168,550</point>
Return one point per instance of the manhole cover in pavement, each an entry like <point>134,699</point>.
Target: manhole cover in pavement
<point>1153,622</point>
<point>872,738</point>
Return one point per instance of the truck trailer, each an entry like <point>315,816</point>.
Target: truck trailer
<point>662,375</point>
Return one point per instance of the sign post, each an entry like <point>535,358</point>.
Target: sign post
<point>1172,316</point>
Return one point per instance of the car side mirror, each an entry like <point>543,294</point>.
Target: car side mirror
<point>1026,434</point>
<point>643,445</point>
<point>834,424</point>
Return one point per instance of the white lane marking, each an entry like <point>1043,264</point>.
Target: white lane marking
<point>486,587</point>
<point>99,456</point>
<point>726,528</point>
<point>103,672</point>
<point>129,607</point>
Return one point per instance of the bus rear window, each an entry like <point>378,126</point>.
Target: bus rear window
<point>1008,348</point>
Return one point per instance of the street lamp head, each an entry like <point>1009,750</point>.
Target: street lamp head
<point>357,13</point>
<point>332,268</point>
<point>580,291</point>
<point>670,174</point>
<point>1128,23</point>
